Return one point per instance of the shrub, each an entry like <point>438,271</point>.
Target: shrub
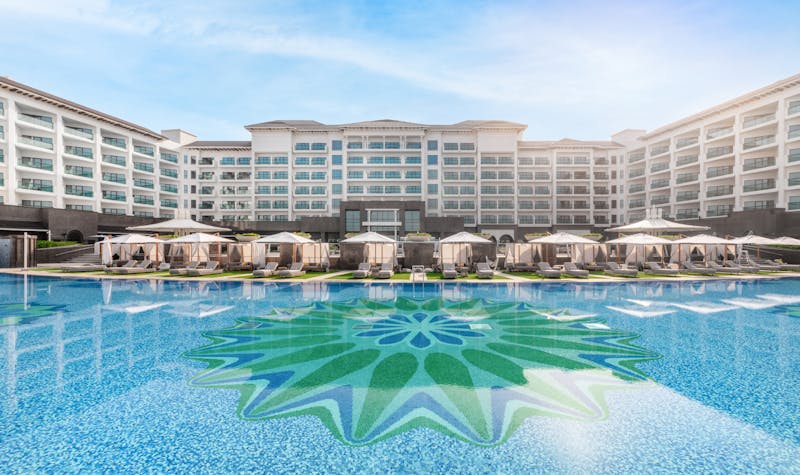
<point>43,244</point>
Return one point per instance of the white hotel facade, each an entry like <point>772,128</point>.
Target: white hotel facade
<point>393,176</point>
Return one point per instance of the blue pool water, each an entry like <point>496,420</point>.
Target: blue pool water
<point>315,377</point>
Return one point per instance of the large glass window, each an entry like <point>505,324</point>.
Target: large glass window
<point>412,221</point>
<point>352,220</point>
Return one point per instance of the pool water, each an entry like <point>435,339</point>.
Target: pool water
<point>316,377</point>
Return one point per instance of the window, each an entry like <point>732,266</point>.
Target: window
<point>301,160</point>
<point>413,160</point>
<point>336,174</point>
<point>450,146</point>
<point>375,146</point>
<point>352,220</point>
<point>375,161</point>
<point>433,174</point>
<point>336,145</point>
<point>433,160</point>
<point>413,174</point>
<point>355,145</point>
<point>413,189</point>
<point>228,161</point>
<point>412,221</point>
<point>280,160</point>
<point>355,175</point>
<point>243,160</point>
<point>392,161</point>
<point>433,145</point>
<point>450,160</point>
<point>336,159</point>
<point>301,175</point>
<point>433,203</point>
<point>302,146</point>
<point>262,175</point>
<point>355,160</point>
<point>433,188</point>
<point>317,146</point>
<point>414,145</point>
<point>355,189</point>
<point>336,188</point>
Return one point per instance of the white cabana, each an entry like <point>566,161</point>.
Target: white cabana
<point>457,249</point>
<point>711,246</point>
<point>640,247</point>
<point>378,249</point>
<point>524,253</point>
<point>199,244</point>
<point>788,241</point>
<point>654,224</point>
<point>179,226</point>
<point>564,239</point>
<point>125,245</point>
<point>315,254</point>
<point>260,252</point>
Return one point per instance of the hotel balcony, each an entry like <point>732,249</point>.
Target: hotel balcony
<point>758,185</point>
<point>760,163</point>
<point>719,190</point>
<point>716,133</point>
<point>661,183</point>
<point>719,171</point>
<point>794,179</point>
<point>84,153</point>
<point>144,150</point>
<point>35,184</point>
<point>659,200</point>
<point>114,142</point>
<point>718,152</point>
<point>687,196</point>
<point>793,133</point>
<point>659,150</point>
<point>44,164</point>
<point>686,142</point>
<point>117,178</point>
<point>715,211</point>
<point>685,160</point>
<point>35,141</point>
<point>143,167</point>
<point>793,109</point>
<point>761,141</point>
<point>77,132</point>
<point>79,191</point>
<point>40,121</point>
<point>169,188</point>
<point>113,195</point>
<point>143,183</point>
<point>691,213</point>
<point>116,160</point>
<point>144,200</point>
<point>74,171</point>
<point>659,167</point>
<point>686,178</point>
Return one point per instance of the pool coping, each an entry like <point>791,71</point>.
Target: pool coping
<point>509,278</point>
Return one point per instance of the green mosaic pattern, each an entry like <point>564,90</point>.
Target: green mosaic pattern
<point>19,314</point>
<point>474,370</point>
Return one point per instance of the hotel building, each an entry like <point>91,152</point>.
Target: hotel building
<point>722,167</point>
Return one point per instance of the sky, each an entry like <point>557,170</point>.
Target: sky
<point>581,70</point>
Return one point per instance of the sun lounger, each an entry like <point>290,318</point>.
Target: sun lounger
<point>545,270</point>
<point>693,268</point>
<point>449,271</point>
<point>269,269</point>
<point>115,269</point>
<point>83,268</point>
<point>484,271</point>
<point>524,267</point>
<point>612,268</point>
<point>140,268</point>
<point>364,270</point>
<point>295,270</point>
<point>741,267</point>
<point>656,268</point>
<point>779,265</point>
<point>595,266</point>
<point>724,270</point>
<point>190,266</point>
<point>386,271</point>
<point>164,266</point>
<point>572,270</point>
<point>212,267</point>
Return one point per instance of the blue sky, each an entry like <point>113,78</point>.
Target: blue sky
<point>567,69</point>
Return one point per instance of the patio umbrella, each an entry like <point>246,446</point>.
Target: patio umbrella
<point>705,240</point>
<point>285,238</point>
<point>195,239</point>
<point>563,239</point>
<point>179,226</point>
<point>371,237</point>
<point>755,240</point>
<point>654,223</point>
<point>637,240</point>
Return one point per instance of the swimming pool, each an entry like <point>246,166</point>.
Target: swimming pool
<point>135,375</point>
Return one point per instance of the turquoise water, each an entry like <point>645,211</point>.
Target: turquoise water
<point>210,377</point>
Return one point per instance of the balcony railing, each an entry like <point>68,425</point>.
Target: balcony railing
<point>685,160</point>
<point>600,191</point>
<point>636,188</point>
<point>144,167</point>
<point>78,191</point>
<point>143,200</point>
<point>36,143</point>
<point>687,195</point>
<point>78,171</point>
<point>169,188</point>
<point>655,184</point>
<point>718,171</point>
<point>756,163</point>
<point>687,214</point>
<point>753,142</point>
<point>114,159</point>
<point>169,173</point>
<point>794,108</point>
<point>114,178</point>
<point>77,132</point>
<point>83,152</point>
<point>113,141</point>
<point>114,196</point>
<point>716,211</point>
<point>659,150</point>
<point>636,173</point>
<point>758,185</point>
<point>657,167</point>
<point>144,150</point>
<point>686,178</point>
<point>659,200</point>
<point>169,157</point>
<point>686,142</point>
<point>143,183</point>
<point>719,151</point>
<point>755,120</point>
<point>36,185</point>
<point>719,191</point>
<point>31,119</point>
<point>41,164</point>
<point>719,132</point>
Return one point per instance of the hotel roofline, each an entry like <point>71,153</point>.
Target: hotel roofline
<point>25,90</point>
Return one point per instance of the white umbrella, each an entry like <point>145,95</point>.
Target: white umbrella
<point>195,239</point>
<point>755,240</point>
<point>178,226</point>
<point>788,241</point>
<point>637,240</point>
<point>465,238</point>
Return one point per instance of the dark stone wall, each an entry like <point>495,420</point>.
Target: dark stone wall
<point>418,253</point>
<point>350,255</point>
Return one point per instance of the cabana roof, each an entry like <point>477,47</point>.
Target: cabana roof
<point>464,238</point>
<point>640,239</point>
<point>133,238</point>
<point>562,238</point>
<point>370,236</point>
<point>198,238</point>
<point>284,238</point>
<point>790,241</point>
<point>703,239</point>
<point>656,225</point>
<point>179,226</point>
